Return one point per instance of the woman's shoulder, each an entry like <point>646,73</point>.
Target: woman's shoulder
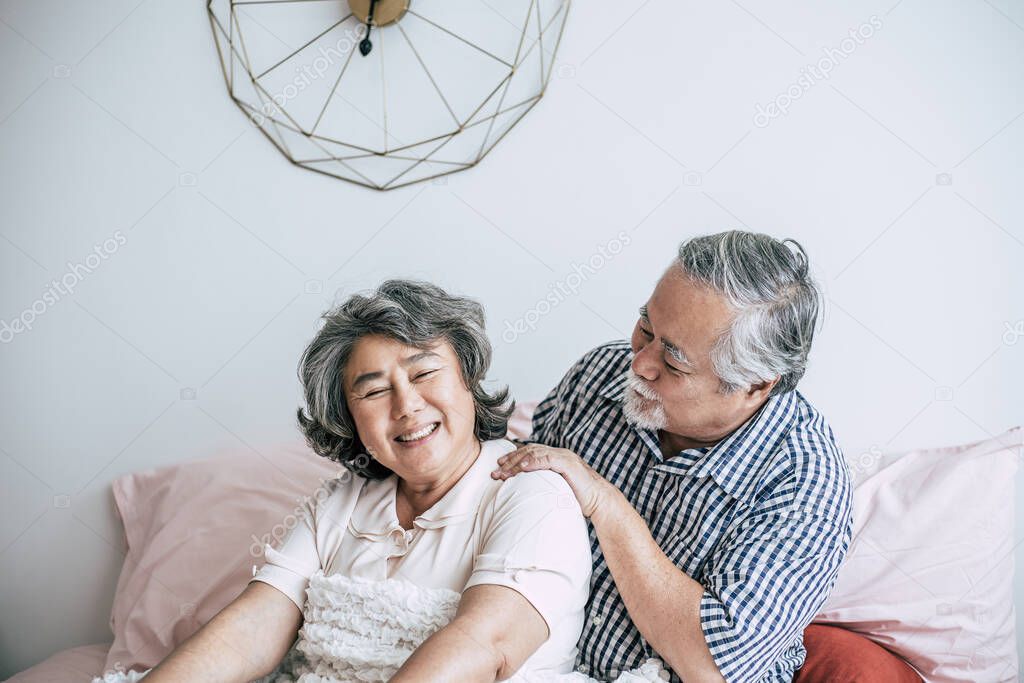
<point>525,484</point>
<point>334,494</point>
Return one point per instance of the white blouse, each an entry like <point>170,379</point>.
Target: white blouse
<point>526,533</point>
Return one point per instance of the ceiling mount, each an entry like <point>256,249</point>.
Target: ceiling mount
<point>385,12</point>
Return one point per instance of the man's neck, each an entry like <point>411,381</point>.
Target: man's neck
<point>671,444</point>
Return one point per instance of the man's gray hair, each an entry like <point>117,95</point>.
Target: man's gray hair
<point>415,313</point>
<point>776,303</point>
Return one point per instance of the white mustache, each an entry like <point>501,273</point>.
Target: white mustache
<point>640,386</point>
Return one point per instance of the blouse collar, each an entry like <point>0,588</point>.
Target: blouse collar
<point>376,518</point>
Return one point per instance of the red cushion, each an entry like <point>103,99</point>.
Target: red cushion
<point>837,655</point>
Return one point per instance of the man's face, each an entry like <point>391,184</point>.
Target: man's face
<point>673,386</point>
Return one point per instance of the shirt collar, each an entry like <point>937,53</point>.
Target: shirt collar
<point>375,517</point>
<point>736,462</point>
<point>615,388</point>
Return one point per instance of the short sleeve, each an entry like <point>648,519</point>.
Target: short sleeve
<point>289,567</point>
<point>766,585</point>
<point>537,544</point>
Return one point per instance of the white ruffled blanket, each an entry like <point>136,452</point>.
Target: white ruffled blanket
<point>362,631</point>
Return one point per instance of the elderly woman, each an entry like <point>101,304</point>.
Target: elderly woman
<point>421,567</point>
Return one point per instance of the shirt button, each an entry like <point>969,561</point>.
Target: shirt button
<point>596,621</point>
<point>583,668</point>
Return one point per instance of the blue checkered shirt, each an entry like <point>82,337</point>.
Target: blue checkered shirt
<point>761,519</point>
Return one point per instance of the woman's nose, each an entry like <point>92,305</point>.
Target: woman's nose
<point>407,401</point>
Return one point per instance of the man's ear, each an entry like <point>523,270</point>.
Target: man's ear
<point>758,393</point>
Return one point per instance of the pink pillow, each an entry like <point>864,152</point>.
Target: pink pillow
<point>194,532</point>
<point>74,665</point>
<point>930,571</point>
<point>520,424</point>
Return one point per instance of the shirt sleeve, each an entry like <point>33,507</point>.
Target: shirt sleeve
<point>289,567</point>
<point>767,584</point>
<point>537,544</point>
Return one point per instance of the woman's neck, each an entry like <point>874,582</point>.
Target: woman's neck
<point>413,499</point>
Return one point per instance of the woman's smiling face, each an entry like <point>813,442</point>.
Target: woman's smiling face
<point>412,409</point>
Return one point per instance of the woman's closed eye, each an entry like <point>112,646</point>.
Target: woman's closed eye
<point>419,376</point>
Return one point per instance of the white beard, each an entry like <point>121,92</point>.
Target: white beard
<point>646,412</point>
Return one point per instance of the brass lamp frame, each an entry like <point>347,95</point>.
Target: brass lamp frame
<point>271,119</point>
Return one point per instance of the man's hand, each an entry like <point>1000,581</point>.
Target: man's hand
<point>662,600</point>
<point>590,488</point>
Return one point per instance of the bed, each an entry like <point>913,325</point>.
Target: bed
<point>878,625</point>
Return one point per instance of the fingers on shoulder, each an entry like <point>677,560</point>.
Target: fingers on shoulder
<point>540,492</point>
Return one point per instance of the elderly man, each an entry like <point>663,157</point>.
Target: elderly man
<point>719,501</point>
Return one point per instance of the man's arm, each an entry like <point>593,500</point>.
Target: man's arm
<point>663,602</point>
<point>764,583</point>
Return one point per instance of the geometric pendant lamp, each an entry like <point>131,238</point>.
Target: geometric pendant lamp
<point>385,93</point>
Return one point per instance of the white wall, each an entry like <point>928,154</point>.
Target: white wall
<point>649,129</point>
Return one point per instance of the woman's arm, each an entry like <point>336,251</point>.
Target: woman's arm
<point>494,632</point>
<point>244,641</point>
<point>531,573</point>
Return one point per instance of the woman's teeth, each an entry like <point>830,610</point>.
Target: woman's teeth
<point>420,434</point>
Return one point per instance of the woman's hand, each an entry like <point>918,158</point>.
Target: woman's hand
<point>589,487</point>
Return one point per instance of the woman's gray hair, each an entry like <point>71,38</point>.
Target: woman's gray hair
<point>415,313</point>
<point>776,302</point>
